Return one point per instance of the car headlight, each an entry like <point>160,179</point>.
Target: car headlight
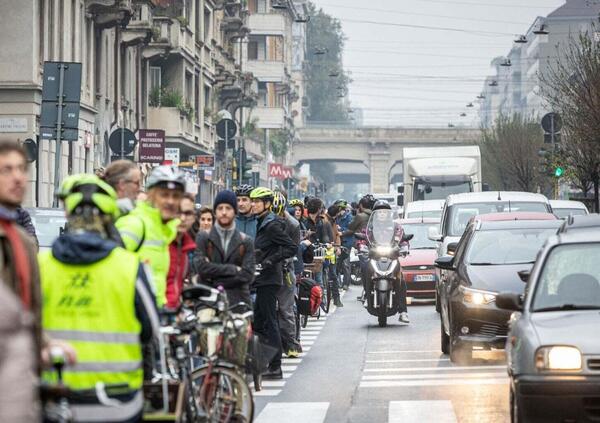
<point>383,250</point>
<point>558,357</point>
<point>477,296</point>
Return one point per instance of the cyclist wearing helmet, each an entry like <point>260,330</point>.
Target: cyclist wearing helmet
<point>343,221</point>
<point>298,212</point>
<point>286,295</point>
<point>400,283</point>
<point>272,246</point>
<point>358,225</point>
<point>152,225</point>
<point>97,298</point>
<point>245,221</point>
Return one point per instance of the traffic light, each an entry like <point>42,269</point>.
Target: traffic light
<point>246,167</point>
<point>559,171</point>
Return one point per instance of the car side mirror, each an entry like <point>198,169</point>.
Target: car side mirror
<point>509,301</point>
<point>445,263</point>
<point>360,236</point>
<point>407,237</point>
<point>451,250</point>
<point>433,233</point>
<point>524,275</point>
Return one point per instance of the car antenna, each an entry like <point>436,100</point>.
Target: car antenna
<point>499,197</point>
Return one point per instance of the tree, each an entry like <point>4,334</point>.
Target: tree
<point>510,156</point>
<point>571,87</point>
<point>326,79</point>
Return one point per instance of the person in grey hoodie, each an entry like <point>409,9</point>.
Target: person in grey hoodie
<point>246,221</point>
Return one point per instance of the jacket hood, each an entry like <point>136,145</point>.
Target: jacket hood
<point>84,248</point>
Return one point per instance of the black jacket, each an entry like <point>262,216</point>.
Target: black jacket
<point>24,220</point>
<point>233,270</point>
<point>272,246</point>
<point>321,230</point>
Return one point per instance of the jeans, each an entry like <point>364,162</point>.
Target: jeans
<point>266,322</point>
<point>286,297</point>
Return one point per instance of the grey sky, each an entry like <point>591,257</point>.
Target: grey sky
<point>411,76</point>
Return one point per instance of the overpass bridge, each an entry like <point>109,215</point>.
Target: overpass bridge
<point>371,154</point>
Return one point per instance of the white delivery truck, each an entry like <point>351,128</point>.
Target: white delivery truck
<point>433,173</point>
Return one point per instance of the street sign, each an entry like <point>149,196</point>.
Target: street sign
<point>172,155</point>
<point>205,161</point>
<point>552,123</point>
<point>279,171</point>
<point>152,145</point>
<point>128,138</point>
<point>70,115</point>
<point>71,83</point>
<point>226,128</point>
<point>67,134</point>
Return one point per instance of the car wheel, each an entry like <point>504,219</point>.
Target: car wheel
<point>445,340</point>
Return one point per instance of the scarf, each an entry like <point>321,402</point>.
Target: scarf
<point>21,261</point>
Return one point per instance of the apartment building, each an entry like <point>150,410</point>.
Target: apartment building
<point>514,86</point>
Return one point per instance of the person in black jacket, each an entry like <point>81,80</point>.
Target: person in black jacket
<point>225,256</point>
<point>24,220</point>
<point>272,246</point>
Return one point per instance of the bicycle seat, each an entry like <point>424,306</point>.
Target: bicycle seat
<point>200,292</point>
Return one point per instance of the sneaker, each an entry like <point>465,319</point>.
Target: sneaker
<point>273,374</point>
<point>338,303</point>
<point>404,317</point>
<point>292,354</point>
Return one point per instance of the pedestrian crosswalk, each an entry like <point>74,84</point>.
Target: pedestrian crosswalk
<point>308,337</point>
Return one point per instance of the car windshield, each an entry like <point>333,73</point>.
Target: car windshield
<point>435,214</point>
<point>570,279</point>
<point>47,228</point>
<point>460,214</point>
<point>420,240</point>
<point>439,189</point>
<point>564,213</point>
<point>507,246</point>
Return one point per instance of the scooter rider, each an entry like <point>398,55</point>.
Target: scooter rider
<point>245,220</point>
<point>399,284</point>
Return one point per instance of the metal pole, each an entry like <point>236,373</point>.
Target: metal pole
<point>58,150</point>
<point>227,157</point>
<point>122,140</point>
<point>240,164</point>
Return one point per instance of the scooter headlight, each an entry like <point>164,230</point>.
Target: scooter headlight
<point>383,250</point>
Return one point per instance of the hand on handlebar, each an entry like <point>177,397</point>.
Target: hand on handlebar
<point>54,349</point>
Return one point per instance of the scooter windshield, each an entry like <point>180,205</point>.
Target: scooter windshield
<point>381,228</point>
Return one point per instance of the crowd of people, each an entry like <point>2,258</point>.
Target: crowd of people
<point>126,256</point>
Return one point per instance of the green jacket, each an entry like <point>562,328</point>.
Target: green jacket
<point>143,231</point>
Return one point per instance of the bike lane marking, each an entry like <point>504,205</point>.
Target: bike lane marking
<point>305,412</point>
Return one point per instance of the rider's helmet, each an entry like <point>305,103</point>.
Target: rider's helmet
<point>341,203</point>
<point>368,201</point>
<point>166,176</point>
<point>244,190</point>
<point>261,193</point>
<point>279,202</point>
<point>382,205</point>
<point>297,203</point>
<point>82,190</point>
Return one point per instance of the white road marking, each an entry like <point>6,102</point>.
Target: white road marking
<point>291,360</point>
<point>267,393</point>
<point>288,368</point>
<point>421,411</point>
<point>307,349</point>
<point>407,360</point>
<point>306,412</point>
<point>303,343</point>
<point>434,376</point>
<point>397,383</point>
<point>270,384</point>
<point>309,338</point>
<point>433,369</point>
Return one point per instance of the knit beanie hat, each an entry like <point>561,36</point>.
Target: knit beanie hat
<point>226,197</point>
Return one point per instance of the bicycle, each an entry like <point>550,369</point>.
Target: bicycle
<point>57,398</point>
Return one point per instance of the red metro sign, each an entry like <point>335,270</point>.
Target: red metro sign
<point>279,171</point>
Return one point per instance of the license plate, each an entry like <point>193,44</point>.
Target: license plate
<point>424,278</point>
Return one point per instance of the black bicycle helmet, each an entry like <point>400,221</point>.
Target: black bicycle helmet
<point>244,190</point>
<point>368,201</point>
<point>381,205</point>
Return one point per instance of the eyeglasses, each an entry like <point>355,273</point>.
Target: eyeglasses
<point>187,212</point>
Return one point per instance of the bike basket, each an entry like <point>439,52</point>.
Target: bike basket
<point>236,346</point>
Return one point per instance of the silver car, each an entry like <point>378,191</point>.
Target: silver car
<point>49,224</point>
<point>553,345</point>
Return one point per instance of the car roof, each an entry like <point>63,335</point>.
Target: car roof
<point>577,223</point>
<point>413,220</point>
<point>492,196</point>
<point>518,224</point>
<point>567,204</point>
<point>426,205</point>
<point>500,217</point>
<point>45,211</point>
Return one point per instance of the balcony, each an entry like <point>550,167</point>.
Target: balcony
<point>267,70</point>
<point>172,122</point>
<point>109,13</point>
<point>267,24</point>
<point>269,117</point>
<point>139,30</point>
<point>169,34</point>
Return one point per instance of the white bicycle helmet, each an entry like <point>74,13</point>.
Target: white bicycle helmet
<point>166,176</point>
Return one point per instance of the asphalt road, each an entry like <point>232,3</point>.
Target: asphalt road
<point>354,371</point>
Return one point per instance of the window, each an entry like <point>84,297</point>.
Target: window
<point>41,29</point>
<point>207,99</point>
<point>61,24</point>
<point>257,6</point>
<point>207,25</point>
<point>189,88</point>
<point>155,78</point>
<point>262,94</point>
<point>257,47</point>
<point>198,22</point>
<point>75,55</point>
<point>197,98</point>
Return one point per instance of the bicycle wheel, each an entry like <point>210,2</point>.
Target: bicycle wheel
<point>223,395</point>
<point>327,300</point>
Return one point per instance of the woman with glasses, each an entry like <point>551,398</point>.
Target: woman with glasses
<point>179,251</point>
